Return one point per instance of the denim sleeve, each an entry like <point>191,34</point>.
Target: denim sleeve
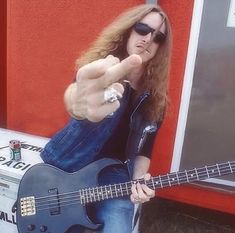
<point>75,145</point>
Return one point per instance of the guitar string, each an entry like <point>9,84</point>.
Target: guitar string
<point>72,202</point>
<point>131,182</point>
<point>87,197</point>
<point>162,176</point>
<point>110,186</point>
<point>76,200</point>
<point>96,197</point>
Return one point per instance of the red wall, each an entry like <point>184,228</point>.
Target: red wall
<point>3,41</point>
<point>180,13</point>
<point>44,39</point>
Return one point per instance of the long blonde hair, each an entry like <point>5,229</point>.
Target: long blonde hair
<point>113,40</point>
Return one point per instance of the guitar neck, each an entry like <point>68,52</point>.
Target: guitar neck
<point>99,193</point>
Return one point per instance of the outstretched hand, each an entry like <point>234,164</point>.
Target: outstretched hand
<point>85,97</point>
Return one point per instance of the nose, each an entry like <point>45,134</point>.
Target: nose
<point>147,38</point>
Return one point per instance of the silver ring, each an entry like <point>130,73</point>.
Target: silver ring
<point>111,95</point>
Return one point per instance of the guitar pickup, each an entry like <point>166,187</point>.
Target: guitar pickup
<point>54,202</point>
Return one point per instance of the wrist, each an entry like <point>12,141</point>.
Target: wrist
<point>70,100</point>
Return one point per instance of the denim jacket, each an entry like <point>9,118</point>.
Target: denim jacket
<point>80,141</point>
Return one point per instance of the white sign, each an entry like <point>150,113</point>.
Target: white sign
<point>11,172</point>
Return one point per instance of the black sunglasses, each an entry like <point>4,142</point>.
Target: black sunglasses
<point>143,30</point>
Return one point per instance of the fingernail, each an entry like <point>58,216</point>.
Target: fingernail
<point>109,56</point>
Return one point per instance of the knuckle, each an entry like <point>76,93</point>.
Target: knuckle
<point>135,197</point>
<point>93,113</point>
<point>108,73</point>
<point>81,73</point>
<point>90,113</point>
<point>116,60</point>
<point>112,59</point>
<point>107,77</point>
<point>100,66</point>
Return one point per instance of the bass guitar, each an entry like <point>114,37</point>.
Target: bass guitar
<point>51,200</point>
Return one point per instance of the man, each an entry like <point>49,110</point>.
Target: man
<point>117,104</point>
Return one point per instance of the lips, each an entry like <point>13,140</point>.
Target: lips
<point>140,47</point>
<point>143,48</point>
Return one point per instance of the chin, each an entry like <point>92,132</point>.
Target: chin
<point>144,58</point>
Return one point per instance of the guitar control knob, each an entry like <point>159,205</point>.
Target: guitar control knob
<point>43,228</point>
<point>30,227</point>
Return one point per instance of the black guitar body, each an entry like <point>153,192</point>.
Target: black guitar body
<point>54,215</point>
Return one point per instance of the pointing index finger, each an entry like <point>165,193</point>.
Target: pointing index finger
<point>120,70</point>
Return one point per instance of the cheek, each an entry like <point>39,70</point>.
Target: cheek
<point>129,45</point>
<point>154,47</point>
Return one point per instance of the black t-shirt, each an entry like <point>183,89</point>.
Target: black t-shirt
<point>116,145</point>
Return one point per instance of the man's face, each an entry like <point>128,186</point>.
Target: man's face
<point>145,45</point>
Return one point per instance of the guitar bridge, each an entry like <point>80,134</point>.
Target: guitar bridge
<point>27,206</point>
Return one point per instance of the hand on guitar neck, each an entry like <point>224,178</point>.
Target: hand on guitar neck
<point>141,192</point>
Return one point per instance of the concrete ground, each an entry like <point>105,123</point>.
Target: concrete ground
<point>165,216</point>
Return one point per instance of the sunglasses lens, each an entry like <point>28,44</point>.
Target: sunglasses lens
<point>142,29</point>
<point>159,37</point>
